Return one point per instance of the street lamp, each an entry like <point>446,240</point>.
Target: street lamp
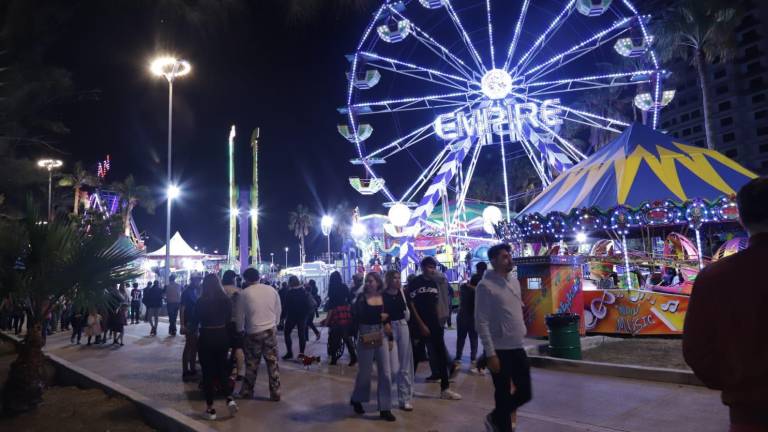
<point>170,68</point>
<point>50,165</point>
<point>286,257</point>
<point>326,223</point>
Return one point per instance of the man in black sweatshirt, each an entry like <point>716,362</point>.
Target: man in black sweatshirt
<point>296,308</point>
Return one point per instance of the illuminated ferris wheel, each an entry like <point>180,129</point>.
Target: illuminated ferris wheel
<point>435,83</point>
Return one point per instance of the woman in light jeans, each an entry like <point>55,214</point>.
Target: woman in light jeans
<point>401,357</point>
<point>375,344</point>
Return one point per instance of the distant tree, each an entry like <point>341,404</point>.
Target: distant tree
<point>300,222</point>
<point>701,32</point>
<point>42,264</point>
<point>77,179</point>
<point>132,195</point>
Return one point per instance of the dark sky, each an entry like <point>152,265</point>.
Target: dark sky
<point>258,68</point>
<point>253,66</point>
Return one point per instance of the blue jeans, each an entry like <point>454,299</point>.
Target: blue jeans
<point>401,361</point>
<point>366,356</point>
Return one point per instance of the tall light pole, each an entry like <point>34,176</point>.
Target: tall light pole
<point>326,223</point>
<point>170,68</point>
<point>272,257</point>
<point>50,165</point>
<point>286,257</point>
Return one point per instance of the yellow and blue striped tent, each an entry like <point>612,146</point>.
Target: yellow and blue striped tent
<point>642,165</point>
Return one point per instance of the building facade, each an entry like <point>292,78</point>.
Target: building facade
<point>739,97</point>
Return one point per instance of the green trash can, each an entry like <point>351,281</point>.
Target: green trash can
<point>564,338</point>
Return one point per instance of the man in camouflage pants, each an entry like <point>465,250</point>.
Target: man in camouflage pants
<point>258,314</point>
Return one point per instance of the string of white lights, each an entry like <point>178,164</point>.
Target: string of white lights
<point>426,39</point>
<point>490,33</point>
<point>414,99</point>
<point>551,29</point>
<point>415,67</point>
<point>516,36</point>
<point>595,38</point>
<point>465,36</point>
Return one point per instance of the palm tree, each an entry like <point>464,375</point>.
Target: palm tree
<point>132,195</point>
<point>41,264</point>
<point>76,180</point>
<point>701,32</point>
<point>300,222</point>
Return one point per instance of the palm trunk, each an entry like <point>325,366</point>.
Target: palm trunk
<point>27,376</point>
<point>701,68</point>
<point>77,201</point>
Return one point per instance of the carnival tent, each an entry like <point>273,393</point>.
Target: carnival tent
<point>642,165</point>
<point>179,249</point>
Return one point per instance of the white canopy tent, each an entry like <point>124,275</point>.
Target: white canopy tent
<point>179,249</point>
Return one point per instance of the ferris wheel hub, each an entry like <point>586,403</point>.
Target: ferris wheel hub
<point>496,84</point>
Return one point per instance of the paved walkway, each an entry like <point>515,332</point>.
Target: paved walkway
<point>317,399</point>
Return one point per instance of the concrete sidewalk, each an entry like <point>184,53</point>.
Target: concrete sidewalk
<point>318,399</point>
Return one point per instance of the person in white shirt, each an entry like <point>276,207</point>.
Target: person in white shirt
<point>258,313</point>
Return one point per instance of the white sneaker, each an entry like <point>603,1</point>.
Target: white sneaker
<point>406,406</point>
<point>449,394</point>
<point>232,407</point>
<point>210,414</point>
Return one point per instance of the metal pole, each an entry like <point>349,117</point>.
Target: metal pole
<point>286,259</point>
<point>506,182</point>
<point>626,261</point>
<point>168,185</point>
<point>698,245</point>
<point>328,237</point>
<point>50,179</point>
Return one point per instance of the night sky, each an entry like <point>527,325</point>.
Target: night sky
<point>257,68</point>
<point>254,65</point>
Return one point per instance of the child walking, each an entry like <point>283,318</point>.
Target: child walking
<point>94,326</point>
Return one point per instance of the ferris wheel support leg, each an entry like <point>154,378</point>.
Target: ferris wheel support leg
<point>428,202</point>
<point>506,182</point>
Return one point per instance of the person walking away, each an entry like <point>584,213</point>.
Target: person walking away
<point>135,303</point>
<point>339,320</point>
<point>172,302</point>
<point>445,299</point>
<point>465,319</point>
<point>213,315</point>
<point>258,314</point>
<point>77,321</point>
<point>375,344</point>
<point>721,332</point>
<point>93,329</point>
<point>425,303</point>
<point>189,328</point>
<point>297,308</point>
<point>17,317</point>
<point>401,356</point>
<point>120,322</point>
<point>501,327</point>
<point>314,300</point>
<point>236,335</point>
<point>153,299</point>
<point>144,302</point>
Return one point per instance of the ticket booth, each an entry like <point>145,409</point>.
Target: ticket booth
<point>550,284</point>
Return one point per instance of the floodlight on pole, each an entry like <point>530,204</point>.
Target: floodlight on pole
<point>173,192</point>
<point>170,68</point>
<point>286,257</point>
<point>50,165</point>
<point>326,224</point>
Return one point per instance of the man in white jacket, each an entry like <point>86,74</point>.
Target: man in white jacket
<point>258,314</point>
<point>501,328</point>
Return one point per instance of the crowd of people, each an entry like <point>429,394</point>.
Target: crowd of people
<point>231,324</point>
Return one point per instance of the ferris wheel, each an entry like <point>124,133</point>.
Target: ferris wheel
<point>433,84</point>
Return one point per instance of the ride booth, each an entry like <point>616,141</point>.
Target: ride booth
<point>550,284</point>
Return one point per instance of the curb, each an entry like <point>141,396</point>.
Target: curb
<point>670,376</point>
<point>158,417</point>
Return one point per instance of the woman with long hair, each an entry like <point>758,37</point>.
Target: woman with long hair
<point>213,312</point>
<point>401,356</point>
<point>339,320</point>
<point>374,344</point>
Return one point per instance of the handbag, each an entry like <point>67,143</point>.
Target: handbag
<point>407,309</point>
<point>372,340</point>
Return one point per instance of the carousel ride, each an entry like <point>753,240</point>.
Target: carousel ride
<point>436,84</point>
